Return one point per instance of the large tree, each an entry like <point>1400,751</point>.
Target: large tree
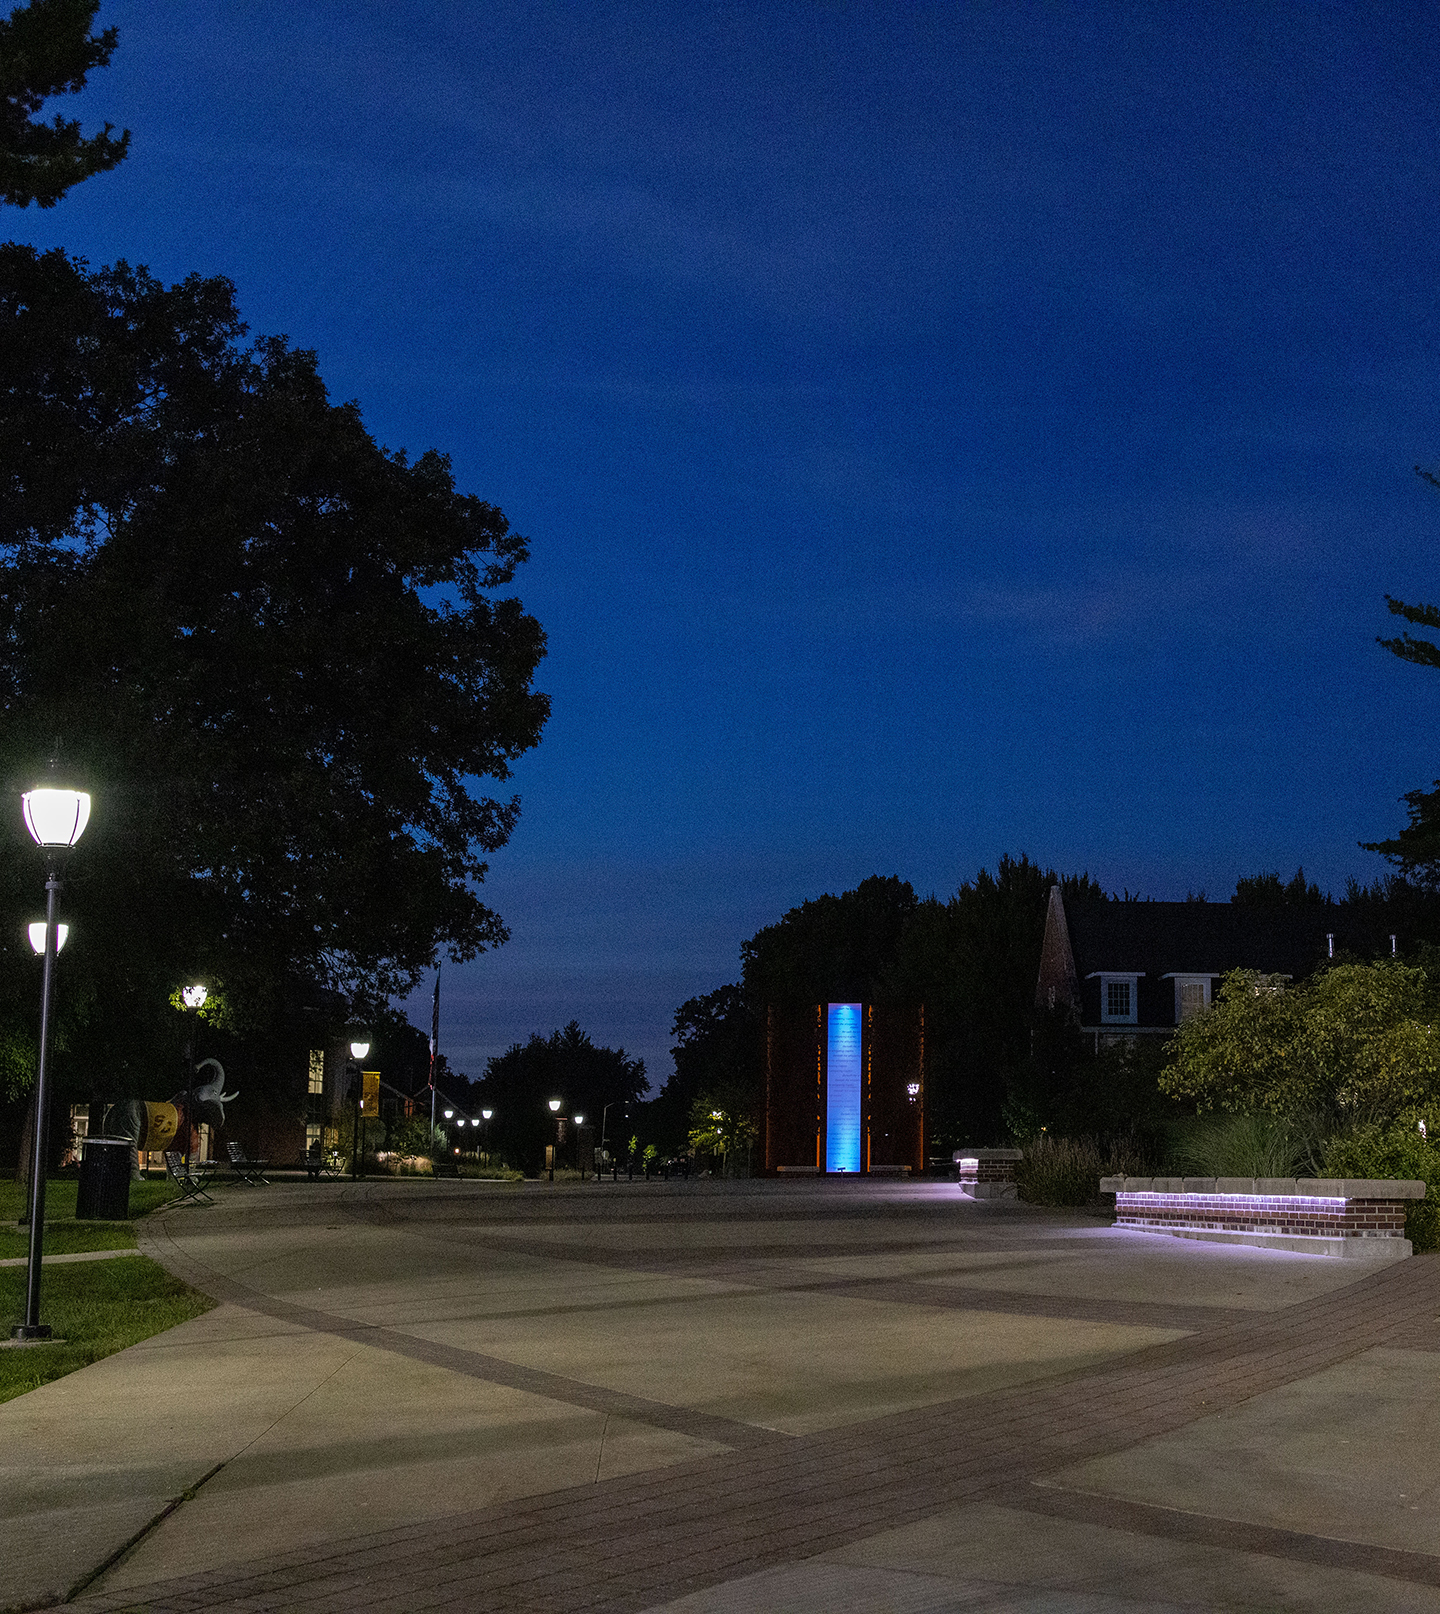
<point>971,961</point>
<point>47,49</point>
<point>566,1065</point>
<point>279,656</point>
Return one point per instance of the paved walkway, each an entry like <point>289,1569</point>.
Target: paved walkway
<point>711,1397</point>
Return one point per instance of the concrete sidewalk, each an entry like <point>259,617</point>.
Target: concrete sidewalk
<point>727,1396</point>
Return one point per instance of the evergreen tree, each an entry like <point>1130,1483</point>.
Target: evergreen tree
<point>47,49</point>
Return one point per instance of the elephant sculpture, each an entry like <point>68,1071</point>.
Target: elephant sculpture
<point>153,1126</point>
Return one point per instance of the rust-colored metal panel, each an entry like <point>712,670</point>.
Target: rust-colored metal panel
<point>794,1086</point>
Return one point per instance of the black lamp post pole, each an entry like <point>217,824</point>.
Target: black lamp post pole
<point>194,1015</point>
<point>355,1126</point>
<point>32,1327</point>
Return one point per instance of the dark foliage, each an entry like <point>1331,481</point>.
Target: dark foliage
<point>1268,891</point>
<point>267,646</point>
<point>971,962</point>
<point>47,49</point>
<point>835,949</point>
<point>566,1065</point>
<point>719,1055</point>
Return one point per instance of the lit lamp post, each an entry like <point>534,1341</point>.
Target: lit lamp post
<point>485,1117</point>
<point>193,997</point>
<point>358,1050</point>
<point>36,933</point>
<point>56,819</point>
<point>554,1104</point>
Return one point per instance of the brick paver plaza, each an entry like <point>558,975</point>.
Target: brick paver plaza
<point>732,1396</point>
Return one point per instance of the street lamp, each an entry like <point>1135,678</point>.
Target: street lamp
<point>193,997</point>
<point>554,1104</point>
<point>56,819</point>
<point>358,1050</point>
<point>37,936</point>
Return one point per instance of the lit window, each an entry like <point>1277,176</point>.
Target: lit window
<point>317,1070</point>
<point>1192,998</point>
<point>1117,1000</point>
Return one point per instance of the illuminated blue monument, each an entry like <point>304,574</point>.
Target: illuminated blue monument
<point>842,1087</point>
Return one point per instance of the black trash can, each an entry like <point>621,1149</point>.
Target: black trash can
<point>104,1192</point>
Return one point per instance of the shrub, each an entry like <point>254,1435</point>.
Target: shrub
<point>1067,1171</point>
<point>1249,1146</point>
<point>1395,1149</point>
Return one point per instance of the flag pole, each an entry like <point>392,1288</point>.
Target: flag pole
<point>434,1047</point>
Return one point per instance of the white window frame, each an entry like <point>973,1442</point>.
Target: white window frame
<point>1205,980</point>
<point>1108,978</point>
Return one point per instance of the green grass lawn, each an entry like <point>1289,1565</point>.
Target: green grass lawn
<point>63,1234</point>
<point>95,1307</point>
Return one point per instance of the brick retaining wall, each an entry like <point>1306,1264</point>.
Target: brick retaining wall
<point>987,1173</point>
<point>1342,1216</point>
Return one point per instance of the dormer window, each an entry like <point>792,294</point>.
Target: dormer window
<point>1192,995</point>
<point>1119,999</point>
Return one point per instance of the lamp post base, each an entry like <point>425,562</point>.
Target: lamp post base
<point>25,1332</point>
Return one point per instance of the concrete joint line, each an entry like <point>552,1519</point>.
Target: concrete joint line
<point>123,1551</point>
<point>472,1364</point>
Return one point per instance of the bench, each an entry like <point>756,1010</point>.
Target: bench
<point>1352,1218</point>
<point>191,1185</point>
<point>443,1166</point>
<point>248,1170</point>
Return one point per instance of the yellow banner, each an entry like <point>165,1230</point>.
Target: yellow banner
<point>369,1093</point>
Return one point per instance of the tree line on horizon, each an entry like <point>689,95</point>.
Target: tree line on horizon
<point>996,1068</point>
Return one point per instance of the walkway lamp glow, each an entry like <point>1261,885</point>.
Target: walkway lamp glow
<point>554,1106</point>
<point>56,819</point>
<point>193,997</point>
<point>449,1115</point>
<point>37,936</point>
<point>486,1114</point>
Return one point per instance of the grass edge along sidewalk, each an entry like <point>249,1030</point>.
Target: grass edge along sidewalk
<point>95,1307</point>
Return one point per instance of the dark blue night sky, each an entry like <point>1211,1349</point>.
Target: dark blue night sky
<point>941,430</point>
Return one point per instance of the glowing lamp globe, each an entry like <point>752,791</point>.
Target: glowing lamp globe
<point>56,817</point>
<point>193,997</point>
<point>37,935</point>
<point>579,1120</point>
<point>449,1115</point>
<point>486,1114</point>
<point>358,1050</point>
<point>554,1106</point>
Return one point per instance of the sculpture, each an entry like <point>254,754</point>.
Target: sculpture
<point>153,1126</point>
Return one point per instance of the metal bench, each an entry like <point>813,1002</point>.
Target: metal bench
<point>192,1187</point>
<point>251,1171</point>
